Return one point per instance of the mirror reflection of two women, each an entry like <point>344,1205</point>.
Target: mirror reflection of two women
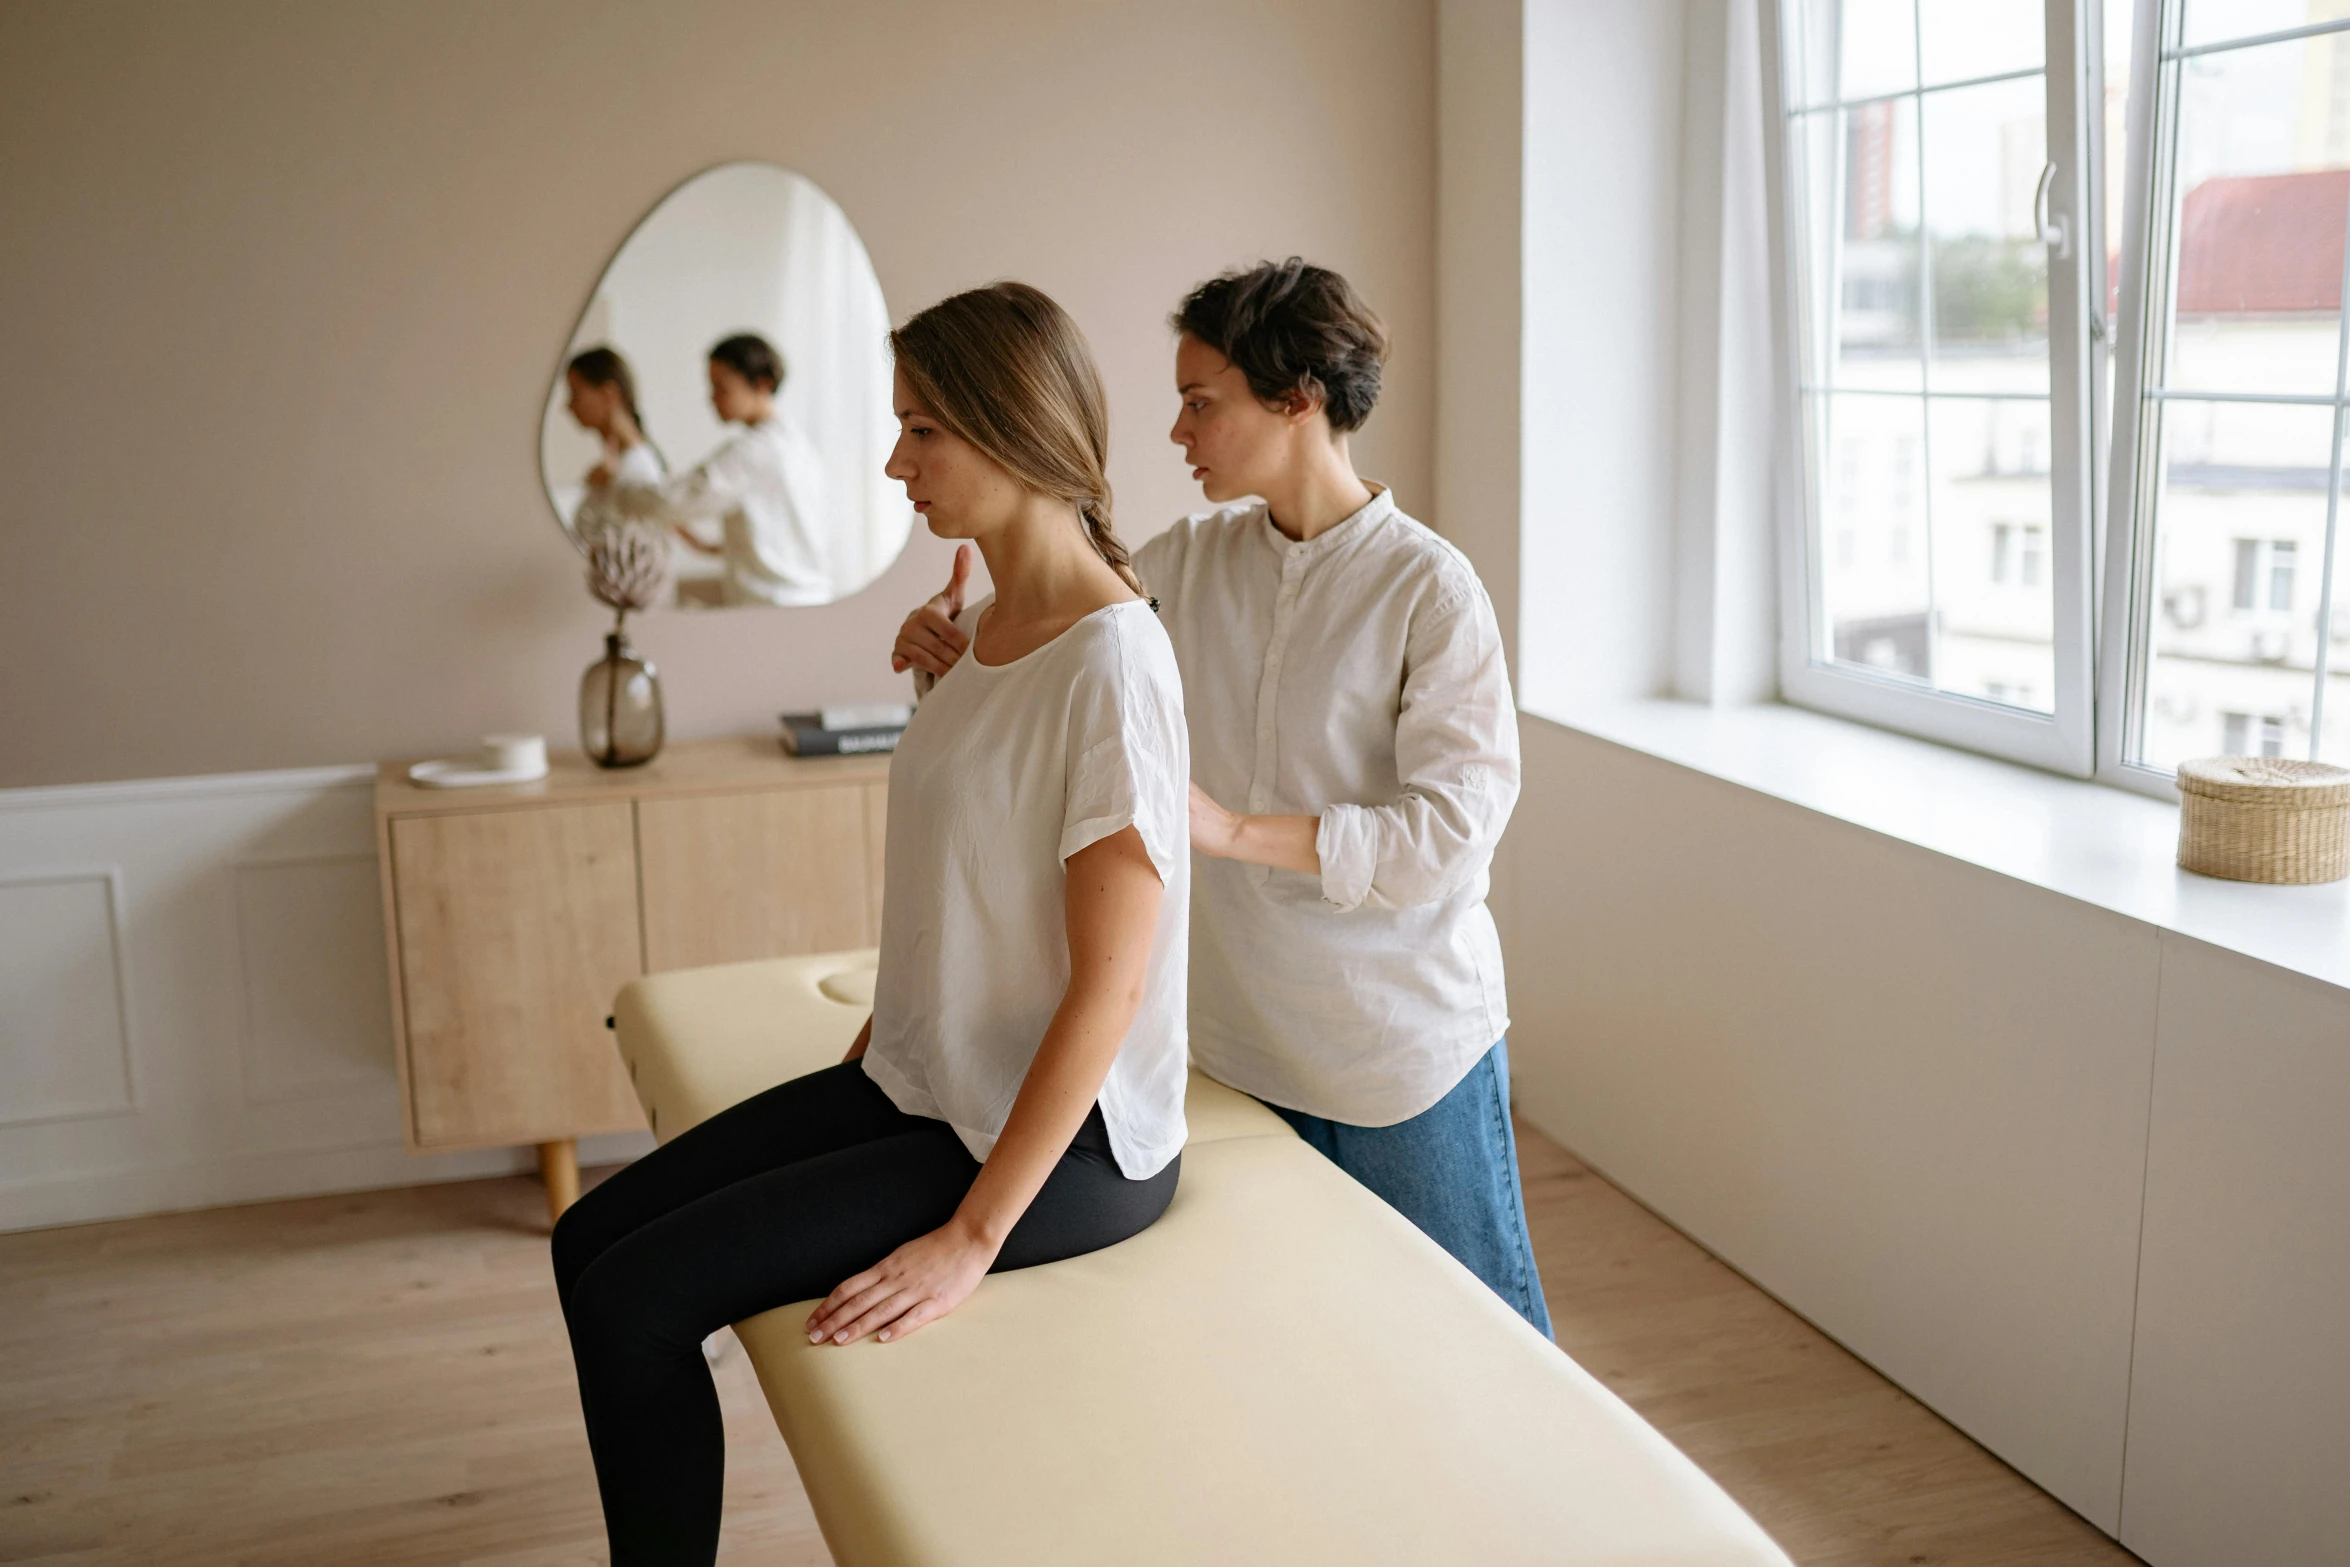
<point>756,505</point>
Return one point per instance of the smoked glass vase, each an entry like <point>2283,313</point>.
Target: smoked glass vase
<point>620,707</point>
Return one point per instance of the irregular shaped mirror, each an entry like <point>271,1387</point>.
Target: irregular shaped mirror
<point>729,385</point>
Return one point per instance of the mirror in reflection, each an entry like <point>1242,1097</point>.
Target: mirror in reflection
<point>729,387</point>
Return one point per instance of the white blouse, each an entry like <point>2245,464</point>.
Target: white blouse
<point>1006,771</point>
<point>1357,677</point>
<point>635,473</point>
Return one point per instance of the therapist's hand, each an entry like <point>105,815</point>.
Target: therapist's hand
<point>918,1283</point>
<point>930,640</point>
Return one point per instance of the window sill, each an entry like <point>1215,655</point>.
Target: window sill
<point>2099,844</point>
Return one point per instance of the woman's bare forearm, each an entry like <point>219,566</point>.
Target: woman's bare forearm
<point>1111,906</point>
<point>1063,1082</point>
<point>1112,912</point>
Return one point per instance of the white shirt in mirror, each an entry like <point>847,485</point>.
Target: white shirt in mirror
<point>765,486</point>
<point>634,474</point>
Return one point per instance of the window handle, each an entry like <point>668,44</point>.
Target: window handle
<point>2055,231</point>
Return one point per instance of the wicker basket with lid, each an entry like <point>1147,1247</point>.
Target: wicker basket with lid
<point>2251,818</point>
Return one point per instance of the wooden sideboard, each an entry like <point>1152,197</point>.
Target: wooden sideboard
<point>514,914</point>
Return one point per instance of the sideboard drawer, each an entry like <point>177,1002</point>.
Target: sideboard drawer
<point>515,928</point>
<point>771,874</point>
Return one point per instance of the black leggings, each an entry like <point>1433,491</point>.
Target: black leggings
<point>776,1200</point>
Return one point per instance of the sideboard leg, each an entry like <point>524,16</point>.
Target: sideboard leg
<point>559,1170</point>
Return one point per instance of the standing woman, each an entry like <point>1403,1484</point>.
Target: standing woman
<point>764,487</point>
<point>1354,755</point>
<point>1017,1095</point>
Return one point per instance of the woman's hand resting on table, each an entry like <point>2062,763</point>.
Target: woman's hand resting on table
<point>929,640</point>
<point>918,1283</point>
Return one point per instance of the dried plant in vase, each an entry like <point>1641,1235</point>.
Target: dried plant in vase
<point>620,721</point>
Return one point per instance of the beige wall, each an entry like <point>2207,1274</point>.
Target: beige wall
<point>281,287</point>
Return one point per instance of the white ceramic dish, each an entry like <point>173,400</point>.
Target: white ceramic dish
<point>462,772</point>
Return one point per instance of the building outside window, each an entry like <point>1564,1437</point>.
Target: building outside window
<point>2226,489</point>
<point>2019,553</point>
<point>1984,272</point>
<point>2247,734</point>
<point>1940,382</point>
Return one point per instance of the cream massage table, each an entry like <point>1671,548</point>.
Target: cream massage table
<point>1281,1370</point>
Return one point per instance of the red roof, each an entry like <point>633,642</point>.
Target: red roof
<point>2263,244</point>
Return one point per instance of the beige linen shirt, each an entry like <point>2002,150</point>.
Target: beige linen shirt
<point>1357,677</point>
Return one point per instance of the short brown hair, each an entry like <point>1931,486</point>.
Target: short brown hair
<point>752,357</point>
<point>1293,328</point>
<point>1005,368</point>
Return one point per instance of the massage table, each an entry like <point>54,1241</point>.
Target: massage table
<point>1281,1370</point>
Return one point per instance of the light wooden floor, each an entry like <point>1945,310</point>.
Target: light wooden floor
<point>383,1379</point>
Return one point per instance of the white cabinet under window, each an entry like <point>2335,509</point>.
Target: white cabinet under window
<point>1933,156</point>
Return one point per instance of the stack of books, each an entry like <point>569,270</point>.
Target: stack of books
<point>852,729</point>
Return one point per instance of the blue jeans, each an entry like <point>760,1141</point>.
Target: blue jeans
<point>1453,1171</point>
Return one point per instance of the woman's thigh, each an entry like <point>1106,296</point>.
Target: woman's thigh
<point>805,1118</point>
<point>1085,1204</point>
<point>783,1235</point>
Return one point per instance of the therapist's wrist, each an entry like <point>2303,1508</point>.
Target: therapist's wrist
<point>1289,843</point>
<point>1214,830</point>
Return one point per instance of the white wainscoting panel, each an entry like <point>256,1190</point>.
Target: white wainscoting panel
<point>317,1006</point>
<point>194,1004</point>
<point>64,1051</point>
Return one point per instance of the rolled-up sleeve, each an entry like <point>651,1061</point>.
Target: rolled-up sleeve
<point>1456,759</point>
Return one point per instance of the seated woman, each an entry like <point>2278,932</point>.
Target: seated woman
<point>1017,1095</point>
<point>602,401</point>
<point>764,487</point>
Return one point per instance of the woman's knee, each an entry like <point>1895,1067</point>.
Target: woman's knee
<point>615,1310</point>
<point>580,1237</point>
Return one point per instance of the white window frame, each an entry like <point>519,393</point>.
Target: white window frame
<point>2064,741</point>
<point>2129,595</point>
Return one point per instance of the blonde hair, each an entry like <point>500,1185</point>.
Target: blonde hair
<point>1006,369</point>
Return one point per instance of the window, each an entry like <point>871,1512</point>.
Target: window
<point>2264,574</point>
<point>1960,219</point>
<point>1931,153</point>
<point>2243,734</point>
<point>2019,553</point>
<point>2230,394</point>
